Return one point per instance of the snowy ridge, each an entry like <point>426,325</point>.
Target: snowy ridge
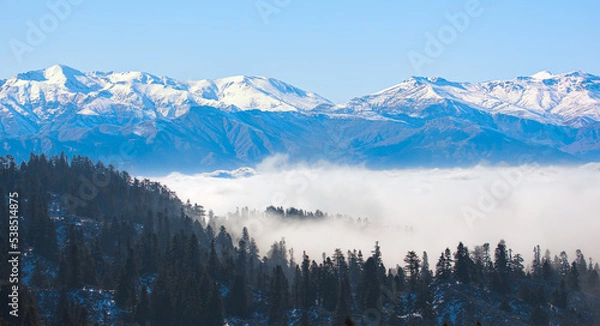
<point>38,96</point>
<point>228,123</point>
<point>564,99</point>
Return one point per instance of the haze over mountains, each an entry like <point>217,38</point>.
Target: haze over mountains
<point>158,124</point>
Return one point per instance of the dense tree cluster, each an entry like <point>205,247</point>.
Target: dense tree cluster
<point>294,213</point>
<point>163,263</point>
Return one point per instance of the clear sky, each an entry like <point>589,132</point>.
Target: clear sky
<point>339,49</point>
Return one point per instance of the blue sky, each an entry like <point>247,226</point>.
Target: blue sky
<point>339,49</point>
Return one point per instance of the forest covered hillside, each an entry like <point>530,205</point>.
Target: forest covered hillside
<point>100,247</point>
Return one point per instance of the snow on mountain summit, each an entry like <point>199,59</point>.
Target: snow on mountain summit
<point>569,98</point>
<point>59,93</point>
<point>61,72</point>
<point>266,94</point>
<point>40,95</point>
<point>542,75</point>
<point>190,123</point>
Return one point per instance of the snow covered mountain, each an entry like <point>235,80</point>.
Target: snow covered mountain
<point>32,99</point>
<point>159,123</point>
<point>571,99</point>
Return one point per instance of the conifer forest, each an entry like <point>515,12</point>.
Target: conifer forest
<point>100,247</point>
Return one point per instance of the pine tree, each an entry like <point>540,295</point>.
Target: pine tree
<point>501,275</point>
<point>501,261</point>
<point>581,262</point>
<point>343,307</point>
<point>426,275</point>
<point>39,276</point>
<point>98,260</point>
<point>29,315</point>
<point>242,258</point>
<point>559,297</point>
<point>278,298</point>
<point>349,322</point>
<point>204,290</point>
<point>214,264</point>
<point>517,267</point>
<point>462,264</point>
<point>42,233</point>
<point>223,242</point>
<point>125,294</point>
<point>412,268</point>
<point>214,308</point>
<point>142,313</point>
<point>278,255</point>
<point>70,313</point>
<point>308,287</point>
<point>189,308</point>
<point>370,293</point>
<point>193,257</point>
<point>63,273</point>
<point>73,262</point>
<point>253,261</point>
<point>304,321</point>
<point>399,279</point>
<point>149,222</point>
<point>564,266</point>
<point>593,281</point>
<point>538,317</point>
<point>328,285</point>
<point>547,272</point>
<point>149,253</point>
<point>160,300</point>
<point>424,303</point>
<point>354,268</point>
<point>536,265</point>
<point>443,268</point>
<point>573,277</point>
<point>237,300</point>
<point>296,298</point>
<point>378,260</point>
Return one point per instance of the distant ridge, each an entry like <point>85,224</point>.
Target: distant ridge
<point>237,121</point>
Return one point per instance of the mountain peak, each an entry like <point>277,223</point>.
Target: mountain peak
<point>56,73</point>
<point>415,79</point>
<point>542,75</point>
<point>61,71</point>
<point>424,118</point>
<point>244,78</point>
<point>579,73</point>
<point>132,93</point>
<point>439,81</point>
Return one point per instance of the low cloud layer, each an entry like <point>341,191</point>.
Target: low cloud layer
<point>416,209</point>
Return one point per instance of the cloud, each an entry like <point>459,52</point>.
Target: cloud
<point>414,209</point>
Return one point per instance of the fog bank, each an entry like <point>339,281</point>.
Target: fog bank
<point>415,209</point>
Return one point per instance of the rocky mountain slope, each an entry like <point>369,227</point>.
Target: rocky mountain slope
<point>148,123</point>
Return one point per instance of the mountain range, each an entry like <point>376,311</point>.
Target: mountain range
<point>154,124</point>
